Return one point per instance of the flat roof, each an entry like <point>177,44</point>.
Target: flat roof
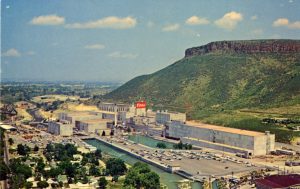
<point>7,127</point>
<point>111,103</point>
<point>96,120</point>
<point>78,113</point>
<point>224,129</point>
<point>170,112</point>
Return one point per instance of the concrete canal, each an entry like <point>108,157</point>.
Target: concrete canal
<point>165,177</point>
<point>148,141</point>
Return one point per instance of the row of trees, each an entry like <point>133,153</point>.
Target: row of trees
<point>181,146</point>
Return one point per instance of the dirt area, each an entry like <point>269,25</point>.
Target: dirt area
<point>278,162</point>
<point>51,98</point>
<point>23,113</point>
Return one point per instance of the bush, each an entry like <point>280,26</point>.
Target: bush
<point>161,145</point>
<point>102,182</point>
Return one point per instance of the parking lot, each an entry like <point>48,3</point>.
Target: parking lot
<point>195,162</point>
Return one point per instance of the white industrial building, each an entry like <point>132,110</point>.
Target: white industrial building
<point>120,113</point>
<point>72,117</point>
<point>163,117</point>
<point>221,138</point>
<point>61,129</point>
<point>94,125</point>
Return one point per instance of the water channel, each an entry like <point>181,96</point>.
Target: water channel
<point>148,141</point>
<point>165,177</point>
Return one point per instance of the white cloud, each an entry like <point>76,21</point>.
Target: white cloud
<point>118,54</point>
<point>195,20</point>
<point>281,22</point>
<point>11,53</point>
<point>94,46</point>
<point>48,20</point>
<point>229,20</point>
<point>294,25</point>
<point>107,22</point>
<point>254,17</point>
<point>284,22</point>
<point>171,27</point>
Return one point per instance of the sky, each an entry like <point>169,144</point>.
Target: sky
<point>117,40</point>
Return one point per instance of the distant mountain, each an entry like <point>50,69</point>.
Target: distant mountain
<point>222,75</point>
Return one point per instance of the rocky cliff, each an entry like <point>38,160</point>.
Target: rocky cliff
<point>253,46</point>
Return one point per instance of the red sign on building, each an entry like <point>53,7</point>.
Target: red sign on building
<point>141,104</point>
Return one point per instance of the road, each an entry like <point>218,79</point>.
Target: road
<point>35,114</point>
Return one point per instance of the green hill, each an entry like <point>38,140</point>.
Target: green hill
<point>225,83</point>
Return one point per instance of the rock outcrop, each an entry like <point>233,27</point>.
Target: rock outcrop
<point>247,46</point>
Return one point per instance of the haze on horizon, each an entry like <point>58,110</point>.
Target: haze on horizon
<point>114,40</point>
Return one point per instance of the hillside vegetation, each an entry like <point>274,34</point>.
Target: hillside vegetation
<point>214,86</point>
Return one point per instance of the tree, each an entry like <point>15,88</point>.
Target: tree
<point>19,168</point>
<point>150,180</point>
<point>115,178</point>
<point>68,167</point>
<point>161,145</point>
<point>49,147</point>
<point>36,148</point>
<point>85,180</point>
<point>42,184</point>
<point>102,182</point>
<point>40,165</point>
<point>98,153</point>
<point>28,185</point>
<point>54,185</point>
<point>94,171</point>
<point>115,166</point>
<point>23,149</point>
<point>17,181</point>
<point>3,171</point>
<point>178,146</point>
<point>10,141</point>
<point>140,175</point>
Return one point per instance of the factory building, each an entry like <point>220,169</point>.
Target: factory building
<point>113,111</point>
<point>72,117</point>
<point>93,125</point>
<point>163,117</point>
<point>121,113</point>
<point>221,138</point>
<point>61,129</point>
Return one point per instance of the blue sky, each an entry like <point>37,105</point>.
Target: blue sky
<point>110,40</point>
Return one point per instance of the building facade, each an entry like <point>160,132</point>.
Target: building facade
<point>163,117</point>
<point>221,138</point>
<point>92,125</point>
<point>61,129</point>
